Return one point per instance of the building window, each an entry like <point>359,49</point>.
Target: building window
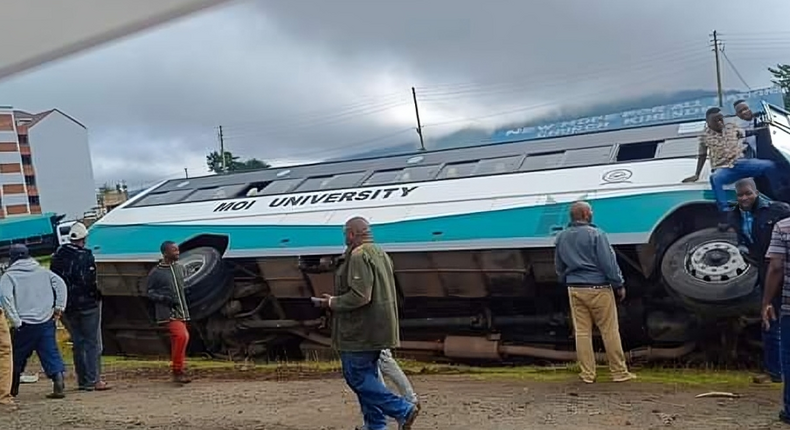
<point>13,189</point>
<point>10,168</point>
<point>23,139</point>
<point>30,180</point>
<point>16,209</point>
<point>34,201</point>
<point>26,159</point>
<point>6,123</point>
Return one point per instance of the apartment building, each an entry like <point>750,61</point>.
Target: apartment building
<point>45,164</point>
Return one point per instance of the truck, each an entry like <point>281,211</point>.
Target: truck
<point>38,232</point>
<point>470,231</point>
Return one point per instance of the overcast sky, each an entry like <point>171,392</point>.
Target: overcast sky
<point>302,80</point>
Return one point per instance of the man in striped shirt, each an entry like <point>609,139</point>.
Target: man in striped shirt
<point>777,279</point>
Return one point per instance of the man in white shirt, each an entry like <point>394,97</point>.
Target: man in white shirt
<point>746,121</point>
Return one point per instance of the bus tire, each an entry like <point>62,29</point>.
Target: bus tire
<point>207,284</point>
<point>706,268</point>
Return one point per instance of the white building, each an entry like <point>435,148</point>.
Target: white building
<point>45,164</point>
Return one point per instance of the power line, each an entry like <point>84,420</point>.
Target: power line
<point>593,68</point>
<point>735,69</point>
<point>696,63</point>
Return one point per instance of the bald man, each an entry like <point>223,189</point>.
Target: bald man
<point>586,264</point>
<point>365,323</point>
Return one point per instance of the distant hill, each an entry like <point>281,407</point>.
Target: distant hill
<point>474,136</point>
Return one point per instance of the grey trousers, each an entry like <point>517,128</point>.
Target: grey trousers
<point>389,367</point>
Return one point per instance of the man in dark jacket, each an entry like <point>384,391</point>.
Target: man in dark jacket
<point>753,221</point>
<point>364,323</point>
<point>166,291</point>
<point>75,264</point>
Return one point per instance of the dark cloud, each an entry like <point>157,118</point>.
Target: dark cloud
<point>311,79</point>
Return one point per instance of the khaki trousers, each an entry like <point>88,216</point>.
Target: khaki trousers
<point>596,306</point>
<point>6,362</point>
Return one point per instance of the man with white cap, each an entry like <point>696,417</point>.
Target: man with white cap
<point>76,265</point>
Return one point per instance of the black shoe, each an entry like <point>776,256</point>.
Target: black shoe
<point>783,417</point>
<point>58,387</point>
<point>15,381</point>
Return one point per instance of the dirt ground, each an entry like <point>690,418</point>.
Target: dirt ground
<point>449,402</point>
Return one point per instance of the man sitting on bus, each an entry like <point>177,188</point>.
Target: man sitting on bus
<point>727,161</point>
<point>747,121</point>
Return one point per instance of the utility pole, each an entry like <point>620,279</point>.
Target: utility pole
<point>716,48</point>
<point>186,173</point>
<point>419,125</point>
<point>222,150</point>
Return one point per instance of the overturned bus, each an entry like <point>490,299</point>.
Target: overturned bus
<point>470,231</point>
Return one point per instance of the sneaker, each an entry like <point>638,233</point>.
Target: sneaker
<point>624,378</point>
<point>783,417</point>
<point>102,386</point>
<point>587,380</point>
<point>764,378</point>
<point>180,378</point>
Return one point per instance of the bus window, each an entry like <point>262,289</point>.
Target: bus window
<point>546,160</point>
<point>279,187</point>
<point>457,170</point>
<point>686,147</point>
<point>345,180</point>
<point>167,197</point>
<point>409,174</point>
<point>217,193</point>
<point>587,156</point>
<point>637,151</point>
<point>497,165</point>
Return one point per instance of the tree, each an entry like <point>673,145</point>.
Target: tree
<point>782,75</point>
<point>232,163</point>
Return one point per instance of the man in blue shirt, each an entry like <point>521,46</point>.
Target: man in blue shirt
<point>586,264</point>
<point>753,221</point>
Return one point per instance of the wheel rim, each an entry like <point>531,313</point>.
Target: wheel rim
<point>716,262</point>
<point>193,264</point>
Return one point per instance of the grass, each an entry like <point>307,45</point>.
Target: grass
<point>687,377</point>
<point>690,378</point>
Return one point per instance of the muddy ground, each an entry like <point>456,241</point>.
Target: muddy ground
<point>145,400</point>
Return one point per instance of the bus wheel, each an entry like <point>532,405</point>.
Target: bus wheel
<point>706,266</point>
<point>207,283</point>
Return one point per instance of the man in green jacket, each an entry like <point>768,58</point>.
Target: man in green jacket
<point>364,323</point>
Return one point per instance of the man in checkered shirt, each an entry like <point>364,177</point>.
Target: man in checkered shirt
<point>777,279</point>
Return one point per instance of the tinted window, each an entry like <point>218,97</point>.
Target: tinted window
<point>279,187</point>
<point>637,151</point>
<point>457,170</point>
<point>678,148</point>
<point>163,198</point>
<point>544,161</point>
<point>347,180</point>
<point>409,174</point>
<point>215,193</point>
<point>587,156</point>
<point>497,165</point>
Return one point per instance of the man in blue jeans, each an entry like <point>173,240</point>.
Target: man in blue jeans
<point>34,299</point>
<point>753,221</point>
<point>724,144</point>
<point>75,264</point>
<point>364,323</point>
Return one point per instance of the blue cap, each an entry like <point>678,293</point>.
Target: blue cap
<point>18,251</point>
